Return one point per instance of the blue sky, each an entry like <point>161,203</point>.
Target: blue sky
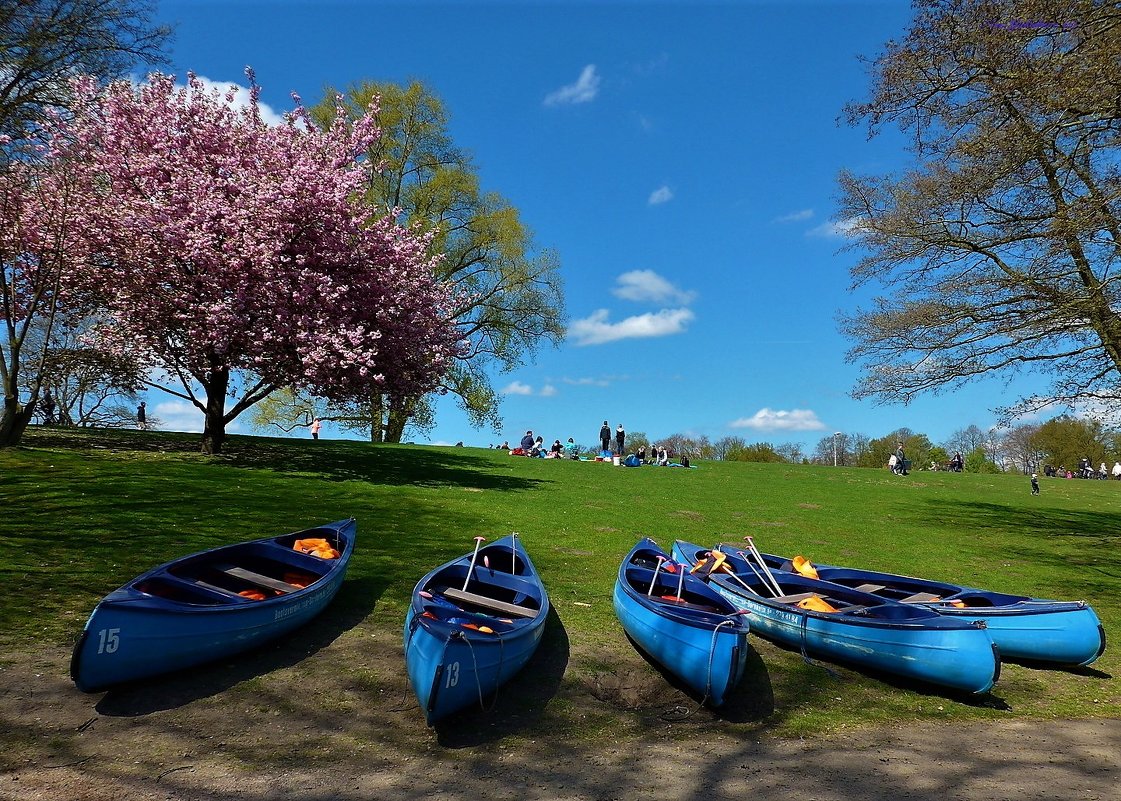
<point>680,158</point>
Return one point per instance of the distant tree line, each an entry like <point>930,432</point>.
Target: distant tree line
<point>1064,441</point>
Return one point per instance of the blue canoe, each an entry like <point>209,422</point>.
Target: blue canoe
<point>210,605</point>
<point>468,630</point>
<point>699,637</point>
<point>846,625</point>
<point>1032,629</point>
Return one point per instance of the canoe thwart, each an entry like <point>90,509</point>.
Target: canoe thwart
<point>921,598</point>
<point>793,599</point>
<point>215,588</point>
<point>489,603</point>
<point>256,578</point>
<point>869,588</point>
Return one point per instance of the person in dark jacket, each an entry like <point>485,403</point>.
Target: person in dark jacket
<point>527,442</point>
<point>605,437</point>
<point>620,438</point>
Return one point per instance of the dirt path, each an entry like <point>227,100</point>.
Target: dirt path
<point>254,738</point>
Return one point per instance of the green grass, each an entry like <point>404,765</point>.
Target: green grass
<point>83,512</point>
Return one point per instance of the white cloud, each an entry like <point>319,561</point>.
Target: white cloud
<point>547,391</point>
<point>241,98</point>
<point>663,194</point>
<point>583,91</point>
<point>836,228</point>
<point>795,216</point>
<point>649,287</point>
<point>517,388</point>
<point>778,420</point>
<point>596,330</point>
<point>587,382</point>
<point>178,415</point>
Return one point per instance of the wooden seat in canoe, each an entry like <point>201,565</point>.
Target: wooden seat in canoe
<point>869,588</point>
<point>282,587</point>
<point>680,604</point>
<point>793,599</point>
<point>921,598</point>
<point>489,603</point>
<point>221,590</point>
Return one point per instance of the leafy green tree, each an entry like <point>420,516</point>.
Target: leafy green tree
<point>756,452</point>
<point>996,251</point>
<point>514,301</point>
<point>938,456</point>
<point>978,461</point>
<point>1065,441</point>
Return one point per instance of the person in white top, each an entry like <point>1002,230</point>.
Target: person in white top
<point>1117,470</point>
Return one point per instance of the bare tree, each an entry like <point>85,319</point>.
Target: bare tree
<point>44,43</point>
<point>998,249</point>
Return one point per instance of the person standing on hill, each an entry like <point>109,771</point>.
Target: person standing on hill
<point>141,417</point>
<point>620,438</point>
<point>605,437</point>
<point>1034,484</point>
<point>315,426</point>
<point>900,460</point>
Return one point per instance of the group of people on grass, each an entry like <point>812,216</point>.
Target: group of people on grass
<point>612,444</point>
<point>534,447</point>
<point>1085,470</point>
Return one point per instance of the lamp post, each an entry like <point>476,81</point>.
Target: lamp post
<point>835,435</point>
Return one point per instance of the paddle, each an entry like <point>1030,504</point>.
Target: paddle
<point>680,583</point>
<point>763,564</point>
<point>747,561</point>
<point>657,567</point>
<point>478,541</point>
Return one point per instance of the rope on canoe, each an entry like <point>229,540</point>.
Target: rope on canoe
<point>498,675</point>
<point>805,656</point>
<point>708,679</point>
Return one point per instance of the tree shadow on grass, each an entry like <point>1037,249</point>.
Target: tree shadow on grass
<point>354,602</point>
<point>519,705</point>
<point>1085,545</point>
<point>334,460</point>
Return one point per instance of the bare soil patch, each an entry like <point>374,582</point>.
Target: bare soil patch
<point>285,723</point>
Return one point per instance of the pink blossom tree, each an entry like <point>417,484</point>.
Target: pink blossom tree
<point>237,257</point>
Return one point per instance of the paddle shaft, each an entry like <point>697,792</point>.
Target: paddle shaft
<point>471,569</point>
<point>654,578</point>
<point>763,565</point>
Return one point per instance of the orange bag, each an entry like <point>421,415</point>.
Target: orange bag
<point>316,547</point>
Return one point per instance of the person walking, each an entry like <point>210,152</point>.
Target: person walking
<point>1034,484</point>
<point>142,417</point>
<point>48,409</point>
<point>900,460</point>
<point>605,438</point>
<point>620,439</point>
<point>315,426</point>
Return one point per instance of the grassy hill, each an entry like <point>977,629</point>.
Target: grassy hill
<point>83,512</point>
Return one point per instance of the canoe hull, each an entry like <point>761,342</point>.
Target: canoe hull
<point>1024,628</point>
<point>705,650</point>
<point>458,654</point>
<point>450,670</point>
<point>959,658</point>
<point>884,636</point>
<point>133,634</point>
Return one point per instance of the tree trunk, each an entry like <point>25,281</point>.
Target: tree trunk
<point>13,421</point>
<point>399,413</point>
<point>377,413</point>
<point>214,429</point>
